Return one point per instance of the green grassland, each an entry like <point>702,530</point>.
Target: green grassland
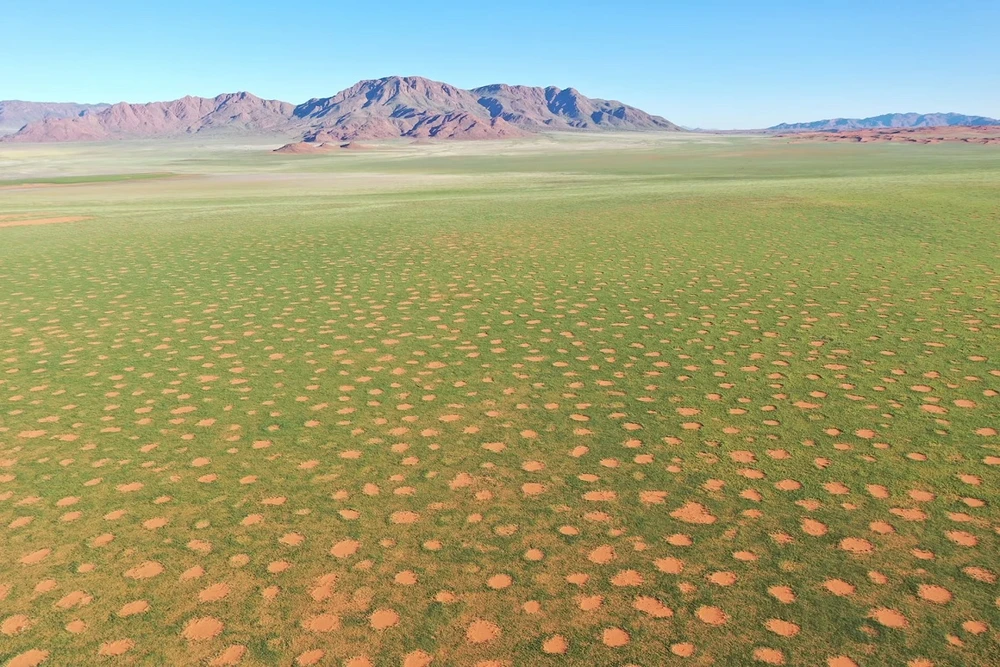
<point>624,400</point>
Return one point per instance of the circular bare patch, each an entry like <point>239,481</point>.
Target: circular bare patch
<point>35,557</point>
<point>232,655</point>
<point>722,578</point>
<point>417,658</point>
<point>980,574</point>
<point>670,565</point>
<point>602,555</point>
<point>782,628</point>
<point>890,618</point>
<point>480,631</point>
<point>813,527</point>
<point>782,594</point>
<point>555,645</point>
<point>76,627</point>
<point>682,649</point>
<point>201,629</point>
<point>382,619</point>
<point>627,578</point>
<point>133,608</point>
<point>975,627</point>
<point>770,656</point>
<point>214,593</point>
<point>933,593</point>
<point>856,545</point>
<point>145,570</point>
<point>310,657</point>
<point>322,623</point>
<point>13,625</point>
<point>652,607</point>
<point>117,647</point>
<point>840,661</point>
<point>615,637</point>
<point>30,658</point>
<point>692,512</point>
<point>712,615</point>
<point>345,548</point>
<point>838,587</point>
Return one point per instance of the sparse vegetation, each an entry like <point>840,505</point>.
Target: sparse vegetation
<point>608,401</point>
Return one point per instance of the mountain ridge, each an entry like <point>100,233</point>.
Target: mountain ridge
<point>389,107</point>
<point>557,108</point>
<point>15,114</point>
<point>889,120</point>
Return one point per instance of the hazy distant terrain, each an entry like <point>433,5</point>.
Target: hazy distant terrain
<point>15,114</point>
<point>890,120</point>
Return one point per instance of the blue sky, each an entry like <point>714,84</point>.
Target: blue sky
<point>713,63</point>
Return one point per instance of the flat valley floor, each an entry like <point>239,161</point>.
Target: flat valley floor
<point>574,400</point>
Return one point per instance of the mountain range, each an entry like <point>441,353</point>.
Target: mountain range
<point>889,120</point>
<point>384,108</point>
<point>15,114</point>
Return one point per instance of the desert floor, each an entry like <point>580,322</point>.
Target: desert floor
<point>573,400</point>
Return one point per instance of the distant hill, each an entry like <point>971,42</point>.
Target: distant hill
<point>977,134</point>
<point>384,108</point>
<point>400,107</point>
<point>234,112</point>
<point>15,114</point>
<point>889,120</point>
<point>563,109</point>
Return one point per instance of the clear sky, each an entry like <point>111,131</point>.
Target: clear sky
<point>707,63</point>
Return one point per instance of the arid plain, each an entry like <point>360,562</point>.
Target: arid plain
<point>615,399</point>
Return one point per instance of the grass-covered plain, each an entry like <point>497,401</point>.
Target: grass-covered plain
<point>567,401</point>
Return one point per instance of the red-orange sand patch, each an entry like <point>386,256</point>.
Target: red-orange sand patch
<point>856,545</point>
<point>782,628</point>
<point>30,658</point>
<point>722,578</point>
<point>117,647</point>
<point>13,625</point>
<point>310,657</point>
<point>43,221</point>
<point>382,619</point>
<point>145,570</point>
<point>782,594</point>
<point>555,645</point>
<point>692,512</point>
<point>933,593</point>
<point>838,587</point>
<point>712,615</point>
<point>652,607</point>
<point>670,565</point>
<point>417,658</point>
<point>214,593</point>
<point>35,557</point>
<point>890,618</point>
<point>770,656</point>
<point>321,623</point>
<point>359,661</point>
<point>76,627</point>
<point>615,637</point>
<point>133,608</point>
<point>480,631</point>
<point>682,649</point>
<point>345,548</point>
<point>232,655</point>
<point>201,629</point>
<point>840,661</point>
